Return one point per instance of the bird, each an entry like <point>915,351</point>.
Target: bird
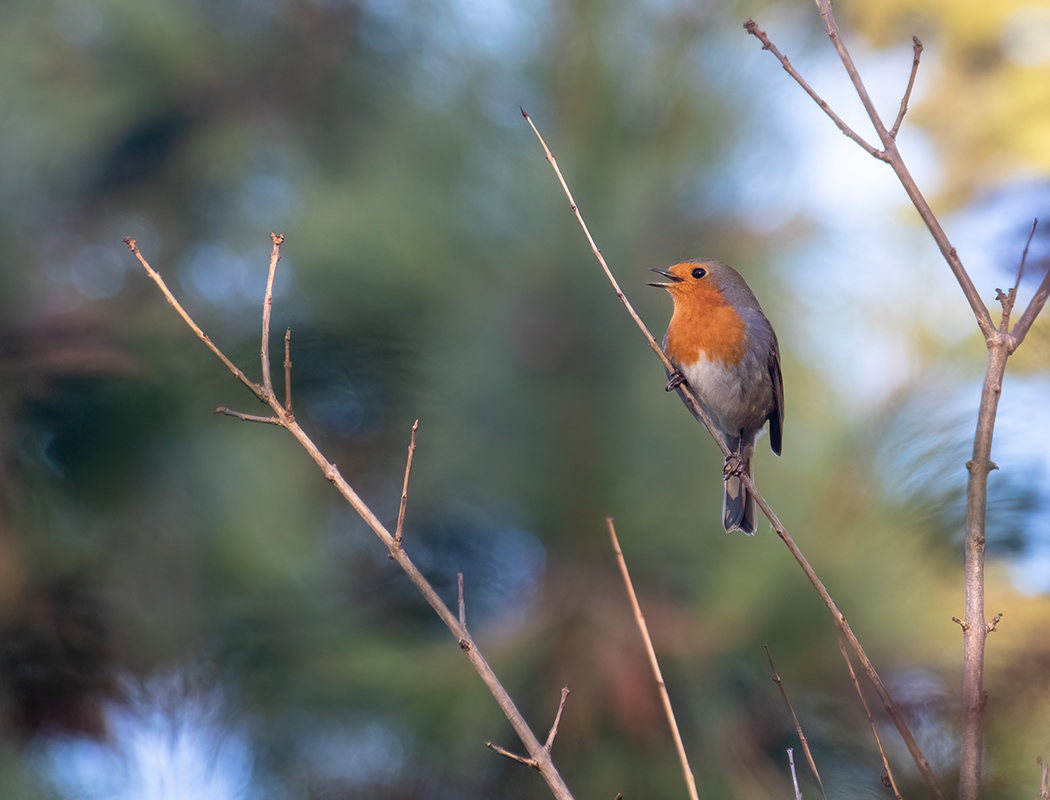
<point>724,349</point>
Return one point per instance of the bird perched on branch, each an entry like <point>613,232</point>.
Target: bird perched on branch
<point>724,349</point>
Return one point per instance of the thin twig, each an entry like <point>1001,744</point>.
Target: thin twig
<point>1007,299</point>
<point>871,721</point>
<point>288,370</point>
<point>539,756</point>
<point>690,781</point>
<point>1034,307</point>
<point>229,412</point>
<point>917,50</point>
<point>993,623</point>
<point>404,489</point>
<point>1044,783</point>
<point>781,531</point>
<point>752,27</point>
<point>462,603</point>
<point>528,762</point>
<point>798,726</point>
<point>1024,255</point>
<point>557,719</point>
<point>275,256</point>
<point>794,777</point>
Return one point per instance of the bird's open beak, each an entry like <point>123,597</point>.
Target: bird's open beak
<point>669,275</point>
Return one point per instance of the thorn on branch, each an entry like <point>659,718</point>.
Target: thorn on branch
<point>993,622</point>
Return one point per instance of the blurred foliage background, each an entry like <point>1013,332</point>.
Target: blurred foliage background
<point>186,607</point>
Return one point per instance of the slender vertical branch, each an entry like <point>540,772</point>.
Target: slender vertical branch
<point>798,725</point>
<point>871,721</point>
<point>1044,783</point>
<point>690,781</point>
<point>975,631</point>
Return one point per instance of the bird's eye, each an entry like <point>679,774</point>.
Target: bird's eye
<point>699,272</point>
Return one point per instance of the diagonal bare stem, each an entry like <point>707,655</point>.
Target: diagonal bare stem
<point>540,758</point>
<point>752,27</point>
<point>874,730</point>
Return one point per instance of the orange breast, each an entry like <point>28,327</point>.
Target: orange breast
<point>703,325</point>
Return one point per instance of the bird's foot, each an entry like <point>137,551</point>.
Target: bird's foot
<point>735,466</point>
<point>677,379</point>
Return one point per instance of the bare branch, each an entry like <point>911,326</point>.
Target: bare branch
<point>837,615</point>
<point>540,758</point>
<point>917,50</point>
<point>404,489</point>
<point>752,27</point>
<point>798,726</point>
<point>1044,783</point>
<point>891,155</point>
<point>871,721</point>
<point>690,781</point>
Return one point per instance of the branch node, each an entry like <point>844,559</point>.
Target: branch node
<point>993,622</point>
<point>964,625</point>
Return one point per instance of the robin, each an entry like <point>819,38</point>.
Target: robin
<point>724,349</point>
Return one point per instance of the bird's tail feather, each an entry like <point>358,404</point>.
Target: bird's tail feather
<point>738,506</point>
